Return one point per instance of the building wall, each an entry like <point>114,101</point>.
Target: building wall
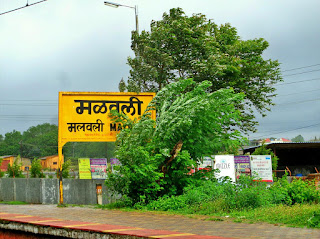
<point>5,162</point>
<point>51,162</point>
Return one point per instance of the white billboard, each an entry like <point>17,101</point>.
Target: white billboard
<point>225,163</point>
<point>261,166</point>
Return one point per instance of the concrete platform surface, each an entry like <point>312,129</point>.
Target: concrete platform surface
<point>143,225</point>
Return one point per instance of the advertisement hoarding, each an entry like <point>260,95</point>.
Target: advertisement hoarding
<point>225,163</point>
<point>84,168</point>
<point>261,167</point>
<point>242,165</point>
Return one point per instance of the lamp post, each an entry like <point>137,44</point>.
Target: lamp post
<point>116,5</point>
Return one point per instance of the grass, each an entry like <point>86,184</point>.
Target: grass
<point>298,215</point>
<point>13,202</point>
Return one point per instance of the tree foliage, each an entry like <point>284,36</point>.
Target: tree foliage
<point>40,140</point>
<point>298,138</point>
<point>66,168</point>
<point>156,156</point>
<point>10,145</point>
<point>36,169</point>
<point>37,141</point>
<point>181,47</point>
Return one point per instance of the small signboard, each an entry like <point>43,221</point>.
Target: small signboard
<point>206,162</point>
<point>84,168</point>
<point>225,163</point>
<point>98,168</point>
<point>242,165</point>
<point>261,166</point>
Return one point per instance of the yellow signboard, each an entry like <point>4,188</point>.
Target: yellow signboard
<point>83,116</point>
<point>84,168</point>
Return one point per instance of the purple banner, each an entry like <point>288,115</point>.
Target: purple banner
<point>98,161</point>
<point>242,159</point>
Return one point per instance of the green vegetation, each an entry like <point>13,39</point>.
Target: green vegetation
<point>292,204</point>
<point>298,138</point>
<point>65,169</point>
<point>15,171</point>
<point>36,169</point>
<point>13,202</point>
<point>298,215</point>
<point>156,156</point>
<point>37,141</point>
<point>181,47</point>
<point>1,159</point>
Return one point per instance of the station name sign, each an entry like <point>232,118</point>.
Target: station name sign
<point>84,116</point>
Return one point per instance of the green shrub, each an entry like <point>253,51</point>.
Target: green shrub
<point>217,196</point>
<point>14,170</point>
<point>297,191</point>
<point>303,192</point>
<point>314,221</point>
<point>65,169</point>
<point>36,169</point>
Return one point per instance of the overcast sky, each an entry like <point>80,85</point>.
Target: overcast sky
<point>81,45</point>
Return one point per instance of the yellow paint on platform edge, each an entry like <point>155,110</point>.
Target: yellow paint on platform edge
<point>23,216</point>
<point>173,235</point>
<point>53,220</point>
<point>122,230</point>
<point>82,225</point>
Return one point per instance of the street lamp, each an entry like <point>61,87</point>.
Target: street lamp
<point>116,5</point>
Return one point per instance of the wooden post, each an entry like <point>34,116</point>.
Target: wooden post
<point>60,173</point>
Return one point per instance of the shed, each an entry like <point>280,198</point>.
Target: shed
<point>301,157</point>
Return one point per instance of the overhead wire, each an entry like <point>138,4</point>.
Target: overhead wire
<point>303,67</point>
<point>284,131</point>
<point>296,93</point>
<point>300,73</point>
<point>27,5</point>
<point>294,82</point>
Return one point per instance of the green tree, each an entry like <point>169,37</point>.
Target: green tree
<point>262,150</point>
<point>156,156</point>
<point>66,168</point>
<point>122,85</point>
<point>40,140</point>
<point>10,145</point>
<point>1,173</point>
<point>181,47</point>
<point>298,138</point>
<point>14,170</point>
<point>36,169</point>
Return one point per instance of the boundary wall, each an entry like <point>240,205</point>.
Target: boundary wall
<point>46,191</point>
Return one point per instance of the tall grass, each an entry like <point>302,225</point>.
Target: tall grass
<point>289,203</point>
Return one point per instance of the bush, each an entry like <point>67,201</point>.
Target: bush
<point>314,221</point>
<point>212,196</point>
<point>216,196</point>
<point>14,170</point>
<point>65,169</point>
<point>297,191</point>
<point>36,169</point>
